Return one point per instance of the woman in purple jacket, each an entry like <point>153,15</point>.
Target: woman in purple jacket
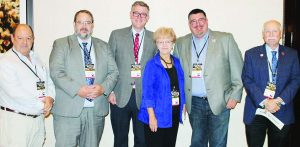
<point>163,99</point>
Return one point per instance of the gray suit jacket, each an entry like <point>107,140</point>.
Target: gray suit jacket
<point>67,73</point>
<point>222,73</point>
<point>121,44</point>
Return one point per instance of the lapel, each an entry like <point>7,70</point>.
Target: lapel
<point>146,45</point>
<point>188,52</point>
<point>281,62</point>
<point>75,51</point>
<point>263,62</point>
<point>128,44</point>
<point>97,49</point>
<point>210,50</point>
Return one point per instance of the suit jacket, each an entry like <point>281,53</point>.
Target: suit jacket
<point>67,71</point>
<point>222,72</point>
<point>157,92</point>
<point>256,75</point>
<point>121,43</point>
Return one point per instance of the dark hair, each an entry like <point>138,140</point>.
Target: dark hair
<point>83,11</point>
<point>196,11</point>
<point>140,3</point>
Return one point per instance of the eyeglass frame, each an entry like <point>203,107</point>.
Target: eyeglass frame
<point>138,14</point>
<point>84,22</point>
<point>167,42</point>
<point>194,22</point>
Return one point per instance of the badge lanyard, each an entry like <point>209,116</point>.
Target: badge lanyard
<point>198,55</point>
<point>275,71</point>
<point>89,56</point>
<point>35,73</point>
<point>140,42</point>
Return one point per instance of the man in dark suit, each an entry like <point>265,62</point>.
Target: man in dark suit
<point>132,47</point>
<point>271,77</point>
<point>84,73</point>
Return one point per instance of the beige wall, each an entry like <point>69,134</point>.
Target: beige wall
<point>244,18</point>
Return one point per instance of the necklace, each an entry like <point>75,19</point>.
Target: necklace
<point>170,63</point>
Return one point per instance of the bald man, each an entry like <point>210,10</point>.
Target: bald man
<point>271,77</point>
<point>26,93</point>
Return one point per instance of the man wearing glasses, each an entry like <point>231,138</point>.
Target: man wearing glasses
<point>132,47</point>
<point>84,72</point>
<point>212,64</point>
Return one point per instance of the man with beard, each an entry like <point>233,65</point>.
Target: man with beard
<point>212,64</point>
<point>84,72</point>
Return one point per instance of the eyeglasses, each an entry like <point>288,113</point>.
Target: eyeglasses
<point>137,14</point>
<point>167,42</point>
<point>194,22</point>
<point>84,22</point>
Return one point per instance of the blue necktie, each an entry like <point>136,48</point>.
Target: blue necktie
<point>274,66</point>
<point>87,61</point>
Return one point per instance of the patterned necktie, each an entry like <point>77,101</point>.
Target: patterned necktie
<point>87,57</point>
<point>87,61</point>
<point>136,47</point>
<point>274,66</point>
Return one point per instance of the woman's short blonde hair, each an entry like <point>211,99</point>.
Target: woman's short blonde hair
<point>163,33</point>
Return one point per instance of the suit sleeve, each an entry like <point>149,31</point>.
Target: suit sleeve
<point>58,70</point>
<point>291,88</point>
<point>112,73</point>
<point>253,91</point>
<point>236,65</point>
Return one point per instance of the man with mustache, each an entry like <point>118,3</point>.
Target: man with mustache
<point>84,72</point>
<point>271,77</point>
<point>214,88</point>
<point>26,93</point>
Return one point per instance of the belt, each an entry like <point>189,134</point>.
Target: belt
<point>10,110</point>
<point>204,98</point>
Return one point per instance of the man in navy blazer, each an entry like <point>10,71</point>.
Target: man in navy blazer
<point>270,86</point>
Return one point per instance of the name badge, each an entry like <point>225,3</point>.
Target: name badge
<point>89,71</point>
<point>270,90</point>
<point>41,90</point>
<point>197,70</point>
<point>175,97</point>
<point>136,70</point>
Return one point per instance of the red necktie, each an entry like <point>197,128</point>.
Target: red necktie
<point>136,47</point>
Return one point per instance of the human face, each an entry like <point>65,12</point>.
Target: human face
<point>164,45</point>
<point>139,17</point>
<point>198,24</point>
<point>272,34</point>
<point>23,39</point>
<point>83,26</point>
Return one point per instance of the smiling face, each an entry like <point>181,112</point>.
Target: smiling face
<point>164,39</point>
<point>272,33</point>
<point>198,24</point>
<point>139,16</point>
<point>23,39</point>
<point>83,25</point>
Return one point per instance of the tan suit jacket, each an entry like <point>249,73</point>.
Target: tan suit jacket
<point>67,72</point>
<point>222,73</point>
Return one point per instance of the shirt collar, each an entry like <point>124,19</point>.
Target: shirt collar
<point>134,32</point>
<point>268,48</point>
<point>203,38</point>
<point>81,41</point>
<point>31,54</point>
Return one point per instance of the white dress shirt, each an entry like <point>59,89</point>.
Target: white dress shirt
<point>18,87</point>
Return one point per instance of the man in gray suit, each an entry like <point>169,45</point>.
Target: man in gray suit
<point>212,63</point>
<point>84,72</point>
<point>132,47</point>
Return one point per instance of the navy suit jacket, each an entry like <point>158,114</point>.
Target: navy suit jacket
<point>255,77</point>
